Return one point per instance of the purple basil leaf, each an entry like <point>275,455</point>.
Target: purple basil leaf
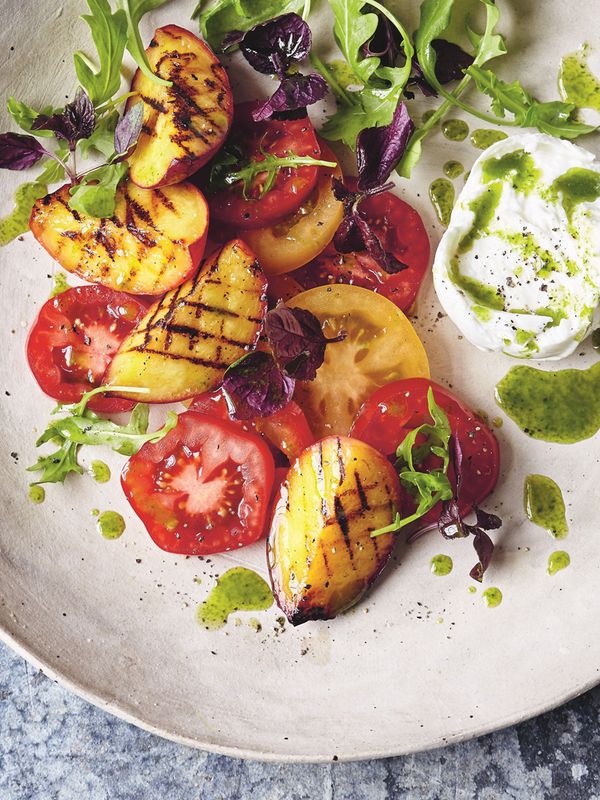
<point>450,523</point>
<point>385,42</point>
<point>489,522</point>
<point>232,39</point>
<point>128,129</point>
<point>484,547</point>
<point>295,91</point>
<point>451,62</point>
<point>271,47</point>
<point>18,151</point>
<point>297,341</point>
<point>256,387</point>
<point>456,458</point>
<point>450,65</point>
<point>354,234</point>
<point>418,80</point>
<point>379,149</point>
<point>76,121</point>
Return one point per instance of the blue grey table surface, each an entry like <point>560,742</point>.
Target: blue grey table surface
<point>54,746</point>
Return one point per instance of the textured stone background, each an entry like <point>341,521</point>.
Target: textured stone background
<point>54,746</point>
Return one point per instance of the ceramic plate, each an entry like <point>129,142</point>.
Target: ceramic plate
<point>422,662</point>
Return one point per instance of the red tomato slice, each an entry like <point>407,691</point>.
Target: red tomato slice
<point>401,232</point>
<point>202,489</point>
<point>394,410</point>
<point>74,339</point>
<point>292,186</point>
<point>287,429</point>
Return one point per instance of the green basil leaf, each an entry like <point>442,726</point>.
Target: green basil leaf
<point>96,194</point>
<point>109,32</point>
<point>103,138</point>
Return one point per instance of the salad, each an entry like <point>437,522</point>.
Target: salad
<point>230,268</point>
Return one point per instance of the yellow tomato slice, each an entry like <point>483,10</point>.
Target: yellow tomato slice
<point>297,239</point>
<point>380,346</point>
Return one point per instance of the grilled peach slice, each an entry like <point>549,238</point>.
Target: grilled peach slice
<point>154,241</point>
<point>321,554</point>
<point>186,123</point>
<point>190,336</point>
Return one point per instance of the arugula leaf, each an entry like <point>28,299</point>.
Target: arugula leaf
<point>228,169</point>
<point>382,86</point>
<point>25,115</point>
<point>135,10</point>
<point>95,195</point>
<point>80,426</point>
<point>431,486</point>
<point>109,32</point>
<point>224,16</point>
<point>56,466</point>
<point>554,118</point>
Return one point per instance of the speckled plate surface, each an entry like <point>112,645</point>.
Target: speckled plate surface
<point>422,661</point>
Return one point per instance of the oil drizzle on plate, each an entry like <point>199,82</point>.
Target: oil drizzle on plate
<point>37,494</point>
<point>442,195</point>
<point>577,83</point>
<point>544,505</point>
<point>238,589</point>
<point>441,565</point>
<point>110,524</point>
<point>492,597</point>
<point>557,561</point>
<point>542,403</point>
<point>483,138</point>
<point>100,471</point>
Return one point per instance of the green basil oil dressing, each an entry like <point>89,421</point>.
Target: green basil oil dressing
<point>483,138</point>
<point>544,505</point>
<point>557,561</point>
<point>455,129</point>
<point>17,222</point>
<point>441,194</point>
<point>428,115</point>
<point>492,597</point>
<point>483,208</point>
<point>239,589</point>
<point>561,406</point>
<point>110,524</point>
<point>59,284</point>
<point>37,494</point>
<point>576,186</point>
<point>441,565</point>
<point>517,167</point>
<point>578,85</point>
<point>452,169</point>
<point>100,471</point>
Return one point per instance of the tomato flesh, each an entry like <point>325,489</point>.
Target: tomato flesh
<point>287,429</point>
<point>393,411</point>
<point>292,186</point>
<point>74,339</point>
<point>202,489</point>
<point>401,231</point>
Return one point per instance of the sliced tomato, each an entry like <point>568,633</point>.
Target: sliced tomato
<point>379,345</point>
<point>287,429</point>
<point>74,339</point>
<point>401,231</point>
<point>299,237</point>
<point>393,411</point>
<point>202,489</point>
<point>292,186</point>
